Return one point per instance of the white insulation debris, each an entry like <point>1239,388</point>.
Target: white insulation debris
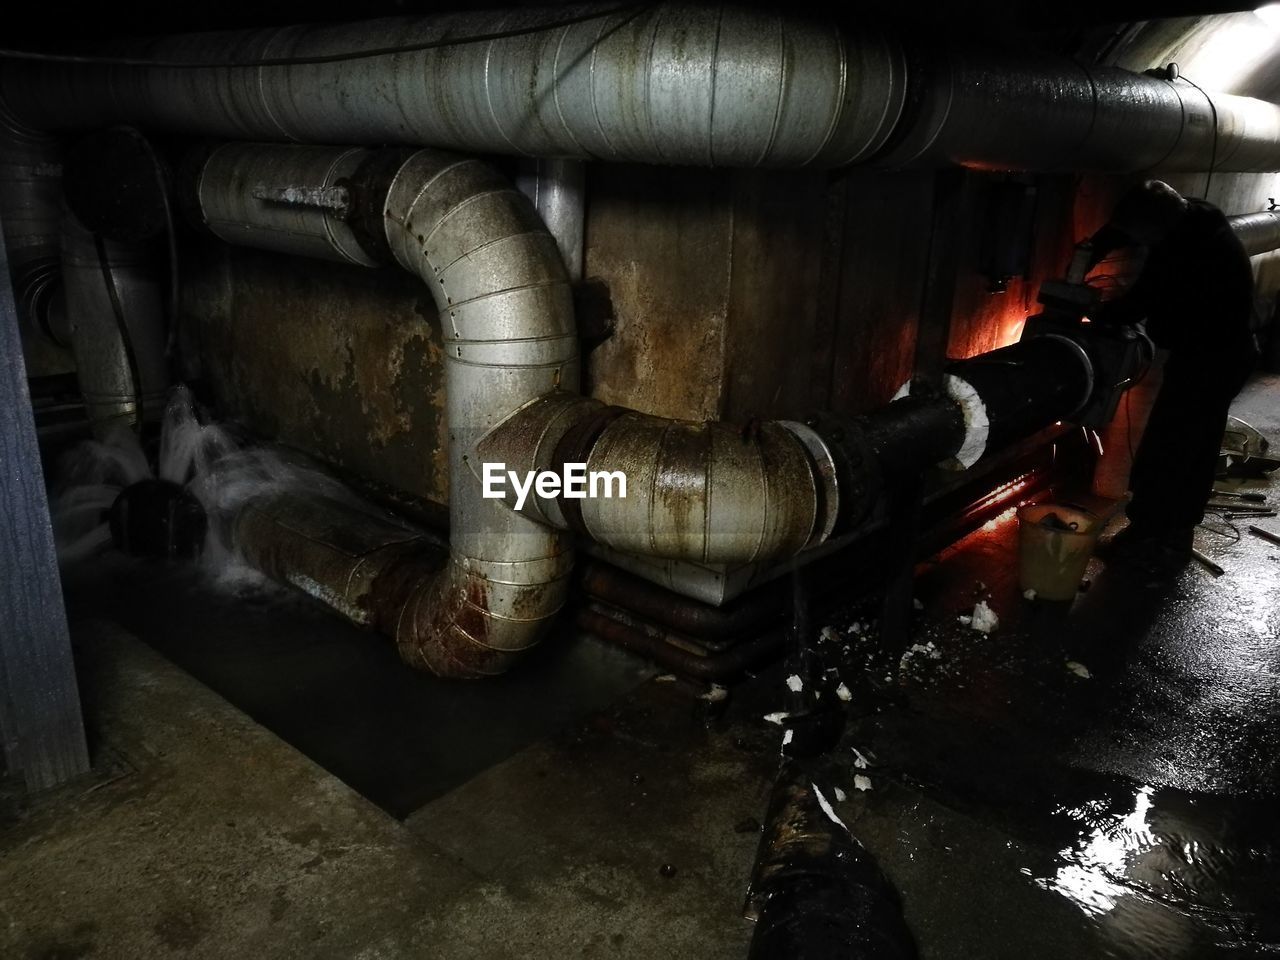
<point>795,684</point>
<point>983,619</point>
<point>826,807</point>
<point>715,694</point>
<point>1079,669</point>
<point>861,782</point>
<point>777,718</point>
<point>843,693</point>
<point>841,796</point>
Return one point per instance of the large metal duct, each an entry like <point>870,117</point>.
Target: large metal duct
<point>998,110</point>
<point>1258,232</point>
<point>704,86</point>
<point>115,308</point>
<point>708,86</point>
<point>506,310</point>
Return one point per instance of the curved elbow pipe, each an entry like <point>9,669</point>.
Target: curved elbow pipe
<point>506,312</point>
<point>31,212</point>
<point>705,492</point>
<point>703,86</point>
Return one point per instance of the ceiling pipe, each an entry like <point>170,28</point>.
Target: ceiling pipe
<point>656,83</point>
<point>662,83</point>
<point>713,493</point>
<point>1012,111</point>
<point>1258,232</point>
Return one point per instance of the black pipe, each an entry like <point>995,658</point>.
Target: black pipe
<point>816,892</point>
<point>1028,385</point>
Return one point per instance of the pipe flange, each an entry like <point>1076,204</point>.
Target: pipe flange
<point>826,478</point>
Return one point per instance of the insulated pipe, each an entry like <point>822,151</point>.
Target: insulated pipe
<point>507,318</point>
<point>702,86</point>
<point>1258,232</point>
<point>703,492</point>
<point>1021,112</point>
<point>664,83</point>
<point>114,305</point>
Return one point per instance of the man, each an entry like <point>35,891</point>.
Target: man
<point>1195,292</point>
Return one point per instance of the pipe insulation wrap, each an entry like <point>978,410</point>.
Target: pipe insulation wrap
<point>507,315</point>
<point>707,85</point>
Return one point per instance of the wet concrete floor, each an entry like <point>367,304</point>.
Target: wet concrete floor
<point>1098,781</point>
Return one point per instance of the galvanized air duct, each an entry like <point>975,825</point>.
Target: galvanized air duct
<point>1001,110</point>
<point>708,492</point>
<point>704,86</point>
<point>666,83</point>
<point>507,316</point>
<point>1258,232</point>
<point>114,305</point>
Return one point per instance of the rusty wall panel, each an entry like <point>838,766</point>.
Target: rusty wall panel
<point>342,362</point>
<point>885,248</point>
<point>661,240</point>
<point>983,320</point>
<point>774,327</point>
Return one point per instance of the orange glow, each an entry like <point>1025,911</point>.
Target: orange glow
<point>1003,494</point>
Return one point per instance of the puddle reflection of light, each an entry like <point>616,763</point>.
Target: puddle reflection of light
<point>1093,871</point>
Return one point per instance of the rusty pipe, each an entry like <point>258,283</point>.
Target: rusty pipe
<point>505,307</point>
<point>115,309</point>
<point>703,492</point>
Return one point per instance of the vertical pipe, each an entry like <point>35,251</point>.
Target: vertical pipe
<point>558,191</point>
<point>115,308</point>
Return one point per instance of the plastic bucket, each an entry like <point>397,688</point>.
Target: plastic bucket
<point>1050,561</point>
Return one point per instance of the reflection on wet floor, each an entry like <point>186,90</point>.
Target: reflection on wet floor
<point>1126,744</point>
